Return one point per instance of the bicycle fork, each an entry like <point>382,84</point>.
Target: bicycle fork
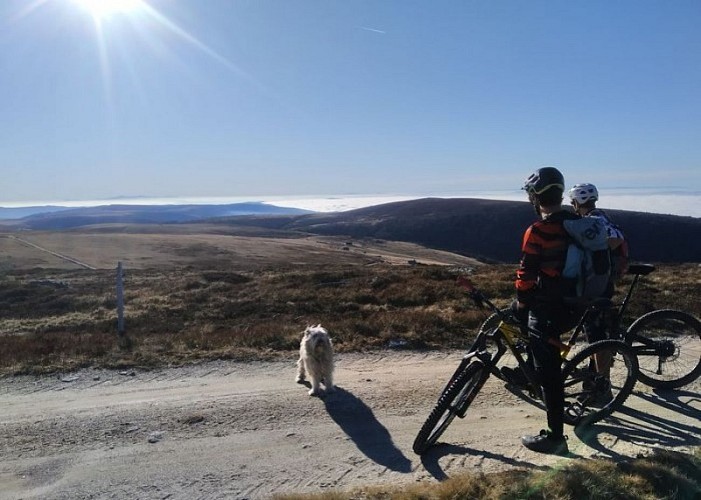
<point>463,402</point>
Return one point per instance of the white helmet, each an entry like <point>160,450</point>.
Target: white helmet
<point>582,193</point>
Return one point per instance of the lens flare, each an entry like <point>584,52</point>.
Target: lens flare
<point>103,9</point>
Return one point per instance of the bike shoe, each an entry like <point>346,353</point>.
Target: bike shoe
<point>546,442</point>
<point>586,375</point>
<point>596,392</point>
<point>514,376</point>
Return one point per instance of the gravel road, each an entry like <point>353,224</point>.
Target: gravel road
<point>247,430</point>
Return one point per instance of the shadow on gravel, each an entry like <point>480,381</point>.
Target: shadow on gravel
<point>523,395</point>
<point>671,399</point>
<point>369,435</point>
<point>430,459</point>
<point>648,429</point>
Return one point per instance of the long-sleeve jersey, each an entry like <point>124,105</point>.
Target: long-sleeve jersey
<point>544,251</point>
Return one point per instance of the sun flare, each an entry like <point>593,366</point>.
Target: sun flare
<point>103,9</point>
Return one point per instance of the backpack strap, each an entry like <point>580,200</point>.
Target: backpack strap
<point>588,232</point>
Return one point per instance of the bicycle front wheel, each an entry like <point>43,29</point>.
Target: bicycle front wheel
<point>597,380</point>
<point>454,401</point>
<point>668,345</point>
<point>483,340</point>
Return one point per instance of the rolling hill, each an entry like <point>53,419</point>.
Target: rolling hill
<point>488,230</point>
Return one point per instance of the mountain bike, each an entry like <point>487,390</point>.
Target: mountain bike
<point>667,342</point>
<point>584,383</point>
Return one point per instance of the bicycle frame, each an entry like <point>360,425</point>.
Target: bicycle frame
<point>507,334</point>
<point>637,270</point>
<point>564,348</point>
<point>660,349</point>
<point>581,384</point>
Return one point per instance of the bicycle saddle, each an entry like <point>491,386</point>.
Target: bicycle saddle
<point>597,303</point>
<point>641,269</point>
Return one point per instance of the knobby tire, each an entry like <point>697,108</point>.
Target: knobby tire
<point>581,408</point>
<point>677,359</point>
<point>455,399</point>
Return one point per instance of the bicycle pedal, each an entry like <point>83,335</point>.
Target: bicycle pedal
<point>575,411</point>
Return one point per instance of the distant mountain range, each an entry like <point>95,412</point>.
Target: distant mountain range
<point>489,230</point>
<point>21,212</point>
<point>66,218</point>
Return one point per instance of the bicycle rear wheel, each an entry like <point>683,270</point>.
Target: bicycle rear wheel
<point>668,345</point>
<point>591,395</point>
<point>455,400</point>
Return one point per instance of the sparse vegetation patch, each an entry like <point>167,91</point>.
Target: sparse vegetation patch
<point>61,320</point>
<point>663,474</point>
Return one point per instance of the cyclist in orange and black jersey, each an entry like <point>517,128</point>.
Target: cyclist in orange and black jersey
<point>540,293</point>
<point>544,251</point>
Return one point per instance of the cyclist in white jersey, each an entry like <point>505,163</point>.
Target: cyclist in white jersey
<point>584,198</point>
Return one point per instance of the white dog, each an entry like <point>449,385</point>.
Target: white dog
<point>316,359</point>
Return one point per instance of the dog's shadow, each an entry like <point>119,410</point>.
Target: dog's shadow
<point>362,427</point>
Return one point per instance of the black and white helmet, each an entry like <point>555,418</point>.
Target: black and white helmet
<point>543,179</point>
<point>582,193</point>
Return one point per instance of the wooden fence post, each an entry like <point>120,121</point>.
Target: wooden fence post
<point>122,340</point>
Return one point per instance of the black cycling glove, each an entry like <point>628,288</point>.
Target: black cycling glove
<point>520,314</point>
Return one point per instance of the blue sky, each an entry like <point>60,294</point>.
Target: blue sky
<point>217,98</point>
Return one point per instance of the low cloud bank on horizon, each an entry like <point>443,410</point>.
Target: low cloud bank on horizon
<point>673,202</point>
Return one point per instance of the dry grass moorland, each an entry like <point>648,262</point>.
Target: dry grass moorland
<point>196,297</point>
<point>191,298</point>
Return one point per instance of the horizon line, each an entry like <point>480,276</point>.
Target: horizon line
<point>678,201</point>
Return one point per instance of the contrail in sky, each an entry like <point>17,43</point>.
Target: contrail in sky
<point>373,30</point>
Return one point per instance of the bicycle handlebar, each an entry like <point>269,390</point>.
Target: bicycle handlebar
<point>479,298</point>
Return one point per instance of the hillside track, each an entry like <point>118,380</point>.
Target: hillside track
<point>63,257</point>
<point>226,429</point>
<point>209,247</point>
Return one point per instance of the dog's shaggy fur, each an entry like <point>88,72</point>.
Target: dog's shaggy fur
<point>316,359</point>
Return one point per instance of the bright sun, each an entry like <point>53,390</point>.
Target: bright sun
<point>102,9</point>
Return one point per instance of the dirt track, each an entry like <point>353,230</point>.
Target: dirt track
<point>234,430</point>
